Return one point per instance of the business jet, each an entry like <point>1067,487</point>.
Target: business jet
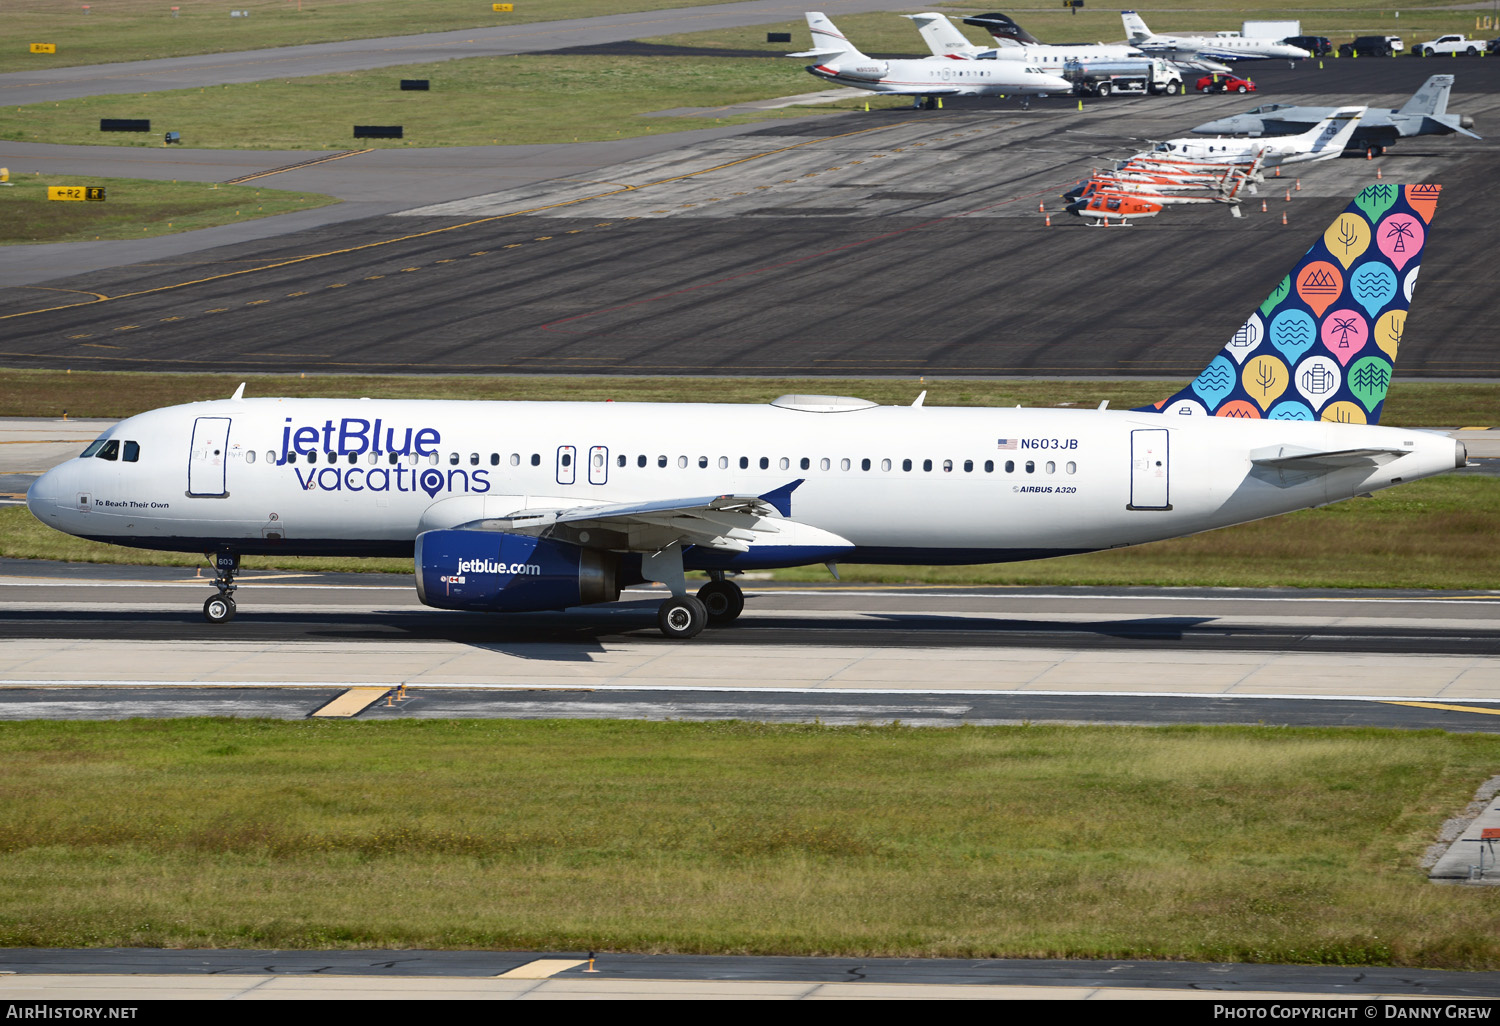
<point>1324,141</point>
<point>1426,113</point>
<point>513,506</point>
<point>1225,46</point>
<point>840,61</point>
<point>944,40</point>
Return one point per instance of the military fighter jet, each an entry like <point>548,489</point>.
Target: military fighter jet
<point>1424,114</point>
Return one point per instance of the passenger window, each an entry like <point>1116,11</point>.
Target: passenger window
<point>927,465</point>
<point>723,462</point>
<point>494,459</point>
<point>567,459</point>
<point>536,459</point>
<point>312,457</point>
<point>1030,467</point>
<point>823,463</point>
<point>270,455</point>
<point>640,461</point>
<point>353,458</point>
<point>453,459</point>
<point>989,466</point>
<point>133,453</point>
<point>1010,466</point>
<point>661,461</point>
<point>515,459</point>
<point>906,465</point>
<point>702,462</point>
<point>1051,467</point>
<point>885,464</point>
<point>744,462</point>
<point>844,464</point>
<point>864,464</point>
<point>806,463</point>
<point>620,461</point>
<point>968,466</point>
<point>947,466</point>
<point>784,463</point>
<point>374,458</point>
<point>682,461</point>
<point>765,464</point>
<point>432,460</point>
<point>1072,467</point>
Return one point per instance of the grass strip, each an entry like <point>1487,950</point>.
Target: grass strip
<point>1202,843</point>
<point>482,101</point>
<point>110,394</point>
<point>1442,532</point>
<point>135,208</point>
<point>134,30</point>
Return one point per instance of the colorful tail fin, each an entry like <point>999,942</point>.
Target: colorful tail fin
<point>1323,344</point>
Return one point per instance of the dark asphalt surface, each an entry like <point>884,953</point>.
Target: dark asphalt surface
<point>1352,982</point>
<point>822,290</point>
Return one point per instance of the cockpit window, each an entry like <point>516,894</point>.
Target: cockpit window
<point>132,452</point>
<point>111,450</point>
<point>94,447</point>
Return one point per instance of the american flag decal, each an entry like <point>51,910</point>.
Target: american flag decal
<point>1005,443</point>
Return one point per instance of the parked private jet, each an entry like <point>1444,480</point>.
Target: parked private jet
<point>514,506</point>
<point>944,40</point>
<point>1426,113</point>
<point>1323,141</point>
<point>840,61</point>
<point>1225,46</point>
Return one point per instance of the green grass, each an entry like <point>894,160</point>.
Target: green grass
<point>477,102</point>
<point>1210,844</point>
<point>132,30</point>
<point>135,208</point>
<point>46,393</point>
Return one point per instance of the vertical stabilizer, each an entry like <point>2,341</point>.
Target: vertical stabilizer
<point>941,35</point>
<point>1323,344</point>
<point>1432,98</point>
<point>1004,29</point>
<point>1136,31</point>
<point>826,37</point>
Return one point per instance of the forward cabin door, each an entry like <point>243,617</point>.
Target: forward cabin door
<point>207,458</point>
<point>1150,470</point>
<point>598,465</point>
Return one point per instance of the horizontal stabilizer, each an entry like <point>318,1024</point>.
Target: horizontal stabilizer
<point>820,54</point>
<point>1291,457</point>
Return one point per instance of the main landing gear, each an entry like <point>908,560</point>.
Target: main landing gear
<point>684,616</point>
<point>220,608</point>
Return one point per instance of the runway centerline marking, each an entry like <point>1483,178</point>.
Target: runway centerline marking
<point>101,298</point>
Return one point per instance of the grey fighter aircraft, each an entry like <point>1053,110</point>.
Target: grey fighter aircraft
<point>1426,113</point>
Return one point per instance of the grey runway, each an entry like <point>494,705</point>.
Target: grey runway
<point>422,973</point>
<point>103,642</point>
<point>896,243</point>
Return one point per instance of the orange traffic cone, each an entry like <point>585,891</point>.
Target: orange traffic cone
<point>1262,206</point>
<point>1289,195</point>
<point>1283,217</point>
<point>1048,220</point>
<point>1377,173</point>
<point>1299,185</point>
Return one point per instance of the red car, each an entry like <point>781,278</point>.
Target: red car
<point>1225,84</point>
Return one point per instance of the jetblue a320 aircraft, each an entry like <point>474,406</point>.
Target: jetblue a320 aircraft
<point>514,506</point>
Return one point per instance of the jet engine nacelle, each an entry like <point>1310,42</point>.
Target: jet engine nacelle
<point>510,573</point>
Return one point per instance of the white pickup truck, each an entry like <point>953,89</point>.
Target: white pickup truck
<point>1450,45</point>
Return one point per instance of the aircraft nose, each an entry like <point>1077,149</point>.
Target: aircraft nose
<point>51,496</point>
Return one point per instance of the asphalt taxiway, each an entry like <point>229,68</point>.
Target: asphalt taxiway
<point>85,641</point>
<point>896,243</point>
<point>146,974</point>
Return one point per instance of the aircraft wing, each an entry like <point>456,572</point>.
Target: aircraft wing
<point>731,523</point>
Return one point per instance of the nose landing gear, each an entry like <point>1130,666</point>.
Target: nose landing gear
<point>220,608</point>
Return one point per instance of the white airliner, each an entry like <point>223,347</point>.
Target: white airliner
<point>945,40</point>
<point>840,61</point>
<point>1324,141</point>
<point>515,506</point>
<point>1225,46</point>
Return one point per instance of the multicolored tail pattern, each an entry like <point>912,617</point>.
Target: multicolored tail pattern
<point>1323,344</point>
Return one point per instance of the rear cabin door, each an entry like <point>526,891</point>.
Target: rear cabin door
<point>1150,470</point>
<point>207,458</point>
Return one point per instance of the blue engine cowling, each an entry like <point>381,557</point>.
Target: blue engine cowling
<point>513,573</point>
